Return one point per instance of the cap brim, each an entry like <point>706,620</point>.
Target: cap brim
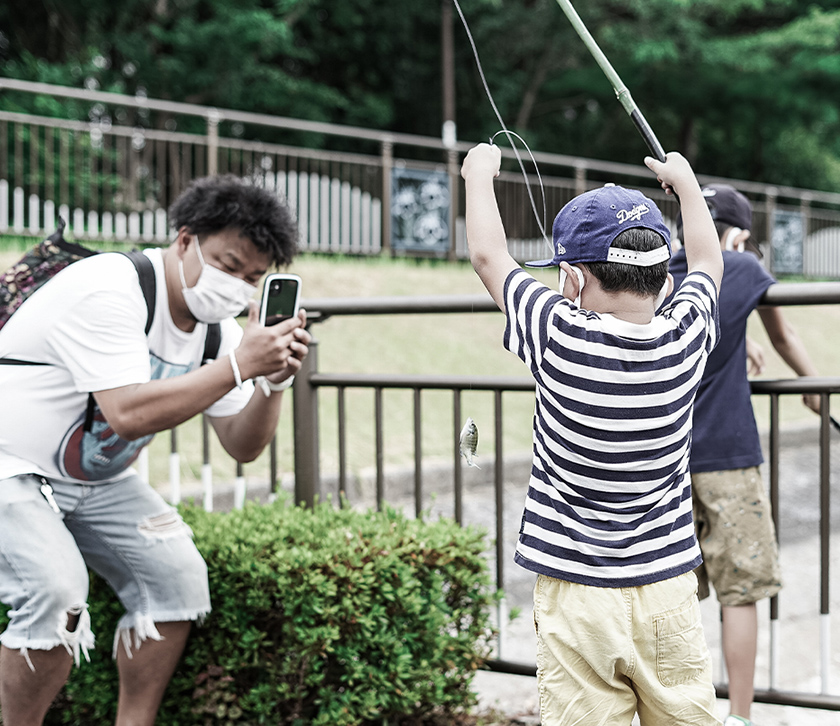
<point>542,263</point>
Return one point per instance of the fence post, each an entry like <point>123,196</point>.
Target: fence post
<point>387,167</point>
<point>805,211</point>
<point>307,473</point>
<point>454,187</point>
<point>213,119</point>
<point>580,180</point>
<point>771,219</point>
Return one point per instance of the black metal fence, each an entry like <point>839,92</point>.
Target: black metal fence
<point>450,486</point>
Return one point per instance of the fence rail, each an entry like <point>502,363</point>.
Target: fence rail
<point>114,175</point>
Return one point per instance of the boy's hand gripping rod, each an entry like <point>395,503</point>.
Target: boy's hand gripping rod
<point>620,89</point>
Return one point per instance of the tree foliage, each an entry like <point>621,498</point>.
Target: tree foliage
<point>746,88</point>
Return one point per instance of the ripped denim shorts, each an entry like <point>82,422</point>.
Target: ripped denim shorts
<point>124,531</point>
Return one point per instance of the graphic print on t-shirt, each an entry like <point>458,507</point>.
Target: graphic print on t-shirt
<point>100,453</point>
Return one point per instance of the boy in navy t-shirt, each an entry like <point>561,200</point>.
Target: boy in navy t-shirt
<point>731,507</point>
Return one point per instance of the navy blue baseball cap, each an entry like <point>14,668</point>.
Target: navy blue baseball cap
<point>728,205</point>
<point>586,227</point>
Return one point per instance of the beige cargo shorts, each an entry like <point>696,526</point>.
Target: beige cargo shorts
<point>737,536</point>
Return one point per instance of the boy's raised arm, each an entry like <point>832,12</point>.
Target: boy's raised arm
<point>702,246</point>
<point>485,233</point>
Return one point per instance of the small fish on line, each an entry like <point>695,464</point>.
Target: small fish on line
<point>469,442</point>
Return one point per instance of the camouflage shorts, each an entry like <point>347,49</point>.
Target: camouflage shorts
<point>737,536</point>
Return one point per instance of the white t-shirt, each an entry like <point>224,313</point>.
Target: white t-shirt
<point>88,325</point>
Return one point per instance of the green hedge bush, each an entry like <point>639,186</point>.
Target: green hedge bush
<point>320,616</point>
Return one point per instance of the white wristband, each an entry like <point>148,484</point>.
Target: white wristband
<point>237,376</point>
<point>267,386</point>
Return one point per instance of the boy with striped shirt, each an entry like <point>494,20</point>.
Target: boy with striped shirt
<point>607,525</point>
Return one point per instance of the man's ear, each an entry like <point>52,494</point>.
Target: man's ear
<point>670,285</point>
<point>182,241</point>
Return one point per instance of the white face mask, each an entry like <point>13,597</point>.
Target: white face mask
<point>562,282</point>
<point>216,295</point>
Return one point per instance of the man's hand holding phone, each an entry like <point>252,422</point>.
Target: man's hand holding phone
<point>275,341</point>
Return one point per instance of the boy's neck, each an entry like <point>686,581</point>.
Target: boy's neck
<point>622,305</point>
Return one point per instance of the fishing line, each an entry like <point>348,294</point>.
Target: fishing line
<point>509,134</point>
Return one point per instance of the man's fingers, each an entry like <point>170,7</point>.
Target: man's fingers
<point>253,312</point>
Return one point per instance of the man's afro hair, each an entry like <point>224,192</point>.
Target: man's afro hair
<point>212,204</point>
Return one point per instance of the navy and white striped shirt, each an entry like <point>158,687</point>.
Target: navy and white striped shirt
<point>609,500</point>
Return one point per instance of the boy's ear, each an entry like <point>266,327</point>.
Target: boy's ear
<point>741,240</point>
<point>670,285</point>
<point>571,282</point>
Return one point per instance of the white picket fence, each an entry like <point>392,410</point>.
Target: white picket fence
<point>332,215</point>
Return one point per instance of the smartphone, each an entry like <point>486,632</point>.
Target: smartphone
<point>280,298</point>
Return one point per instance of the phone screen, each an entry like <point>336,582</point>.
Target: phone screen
<point>280,301</point>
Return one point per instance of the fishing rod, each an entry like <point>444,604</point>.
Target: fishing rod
<point>620,89</point>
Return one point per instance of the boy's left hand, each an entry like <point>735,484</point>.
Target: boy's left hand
<point>674,174</point>
<point>482,159</point>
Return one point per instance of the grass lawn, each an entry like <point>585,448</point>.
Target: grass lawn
<point>428,344</point>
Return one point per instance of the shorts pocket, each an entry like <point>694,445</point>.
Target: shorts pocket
<point>681,651</point>
<point>537,601</point>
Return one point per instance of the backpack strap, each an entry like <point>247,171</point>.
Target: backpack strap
<point>148,284</point>
<point>90,412</point>
<point>212,343</point>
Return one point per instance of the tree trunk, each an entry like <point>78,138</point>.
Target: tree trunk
<point>688,138</point>
<point>529,98</point>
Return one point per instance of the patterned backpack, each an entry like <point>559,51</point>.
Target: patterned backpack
<point>44,261</point>
<point>36,267</point>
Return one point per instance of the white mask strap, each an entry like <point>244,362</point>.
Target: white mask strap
<point>562,282</point>
<point>660,298</point>
<point>198,251</point>
<point>729,244</point>
<point>181,263</point>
